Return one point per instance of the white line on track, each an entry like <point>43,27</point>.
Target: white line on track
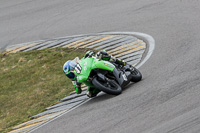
<point>59,116</point>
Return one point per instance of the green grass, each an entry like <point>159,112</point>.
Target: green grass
<point>32,81</point>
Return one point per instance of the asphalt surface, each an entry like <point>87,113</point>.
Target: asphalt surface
<point>167,100</point>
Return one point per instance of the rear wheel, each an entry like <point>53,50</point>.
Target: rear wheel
<point>109,86</point>
<point>136,75</point>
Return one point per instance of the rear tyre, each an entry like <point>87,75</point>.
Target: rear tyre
<point>109,87</point>
<point>136,75</point>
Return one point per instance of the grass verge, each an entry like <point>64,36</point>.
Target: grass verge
<point>32,81</point>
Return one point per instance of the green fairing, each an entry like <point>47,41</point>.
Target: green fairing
<point>87,65</point>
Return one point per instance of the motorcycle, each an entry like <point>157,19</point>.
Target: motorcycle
<point>108,77</point>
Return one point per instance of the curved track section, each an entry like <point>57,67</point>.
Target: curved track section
<point>166,100</point>
<point>133,47</point>
<point>129,46</point>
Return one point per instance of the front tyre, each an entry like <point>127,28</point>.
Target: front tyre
<point>136,75</point>
<point>109,87</point>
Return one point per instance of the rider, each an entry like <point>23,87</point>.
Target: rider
<point>69,66</point>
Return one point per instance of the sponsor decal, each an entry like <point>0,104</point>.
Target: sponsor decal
<point>109,65</point>
<point>124,76</point>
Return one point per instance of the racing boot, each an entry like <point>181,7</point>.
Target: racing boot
<point>120,62</point>
<point>123,63</point>
<point>92,92</point>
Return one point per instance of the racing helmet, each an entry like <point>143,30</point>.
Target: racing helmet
<point>68,69</point>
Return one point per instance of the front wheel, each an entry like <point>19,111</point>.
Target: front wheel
<point>136,75</point>
<point>109,86</point>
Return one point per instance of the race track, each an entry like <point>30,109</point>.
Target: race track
<point>165,101</point>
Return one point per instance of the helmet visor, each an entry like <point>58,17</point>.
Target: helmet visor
<point>72,65</point>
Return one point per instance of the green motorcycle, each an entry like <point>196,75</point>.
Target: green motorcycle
<point>105,76</point>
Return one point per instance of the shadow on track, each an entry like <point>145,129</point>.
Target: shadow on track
<point>103,96</point>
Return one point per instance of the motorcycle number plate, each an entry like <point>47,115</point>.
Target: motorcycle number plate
<point>78,69</point>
